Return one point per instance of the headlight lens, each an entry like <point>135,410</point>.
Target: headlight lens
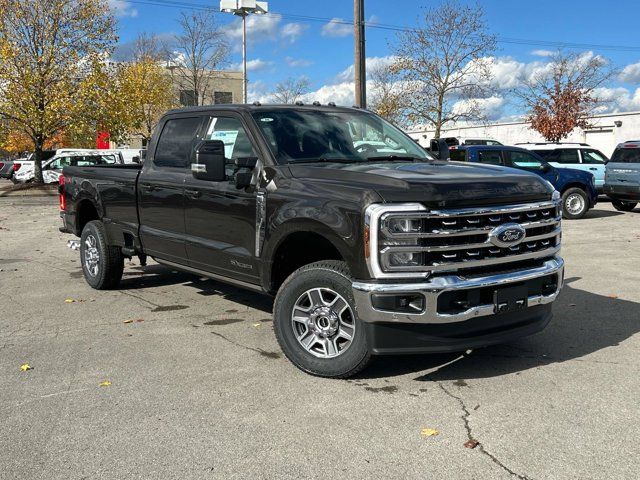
<point>404,225</point>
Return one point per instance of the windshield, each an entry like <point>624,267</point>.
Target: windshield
<point>298,136</point>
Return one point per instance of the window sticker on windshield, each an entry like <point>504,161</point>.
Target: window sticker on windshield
<point>228,137</point>
<point>266,119</point>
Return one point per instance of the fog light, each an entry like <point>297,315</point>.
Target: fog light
<point>404,259</point>
<point>402,303</point>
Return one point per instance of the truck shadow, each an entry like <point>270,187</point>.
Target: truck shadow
<point>583,324</point>
<point>155,275</point>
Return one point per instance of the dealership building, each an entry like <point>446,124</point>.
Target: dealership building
<point>605,132</point>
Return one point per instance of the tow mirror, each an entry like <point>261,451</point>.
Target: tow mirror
<point>443,149</point>
<point>210,161</point>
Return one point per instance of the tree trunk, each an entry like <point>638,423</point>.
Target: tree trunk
<point>37,161</point>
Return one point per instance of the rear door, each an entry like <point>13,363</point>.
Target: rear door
<point>593,161</point>
<point>161,189</point>
<point>221,219</point>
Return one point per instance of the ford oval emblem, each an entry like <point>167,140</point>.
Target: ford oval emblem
<point>507,235</point>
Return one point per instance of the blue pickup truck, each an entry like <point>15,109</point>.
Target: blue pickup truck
<point>576,187</point>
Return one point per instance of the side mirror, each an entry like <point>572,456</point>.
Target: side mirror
<point>546,168</point>
<point>210,161</point>
<point>443,149</point>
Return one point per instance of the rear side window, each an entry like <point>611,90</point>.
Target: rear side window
<point>626,155</point>
<point>176,142</point>
<point>491,157</point>
<point>565,155</point>
<point>458,155</point>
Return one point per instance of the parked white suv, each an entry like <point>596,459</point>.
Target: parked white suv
<point>52,168</point>
<point>580,156</point>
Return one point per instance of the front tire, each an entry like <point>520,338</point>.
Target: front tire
<point>102,264</point>
<point>623,206</point>
<point>316,324</point>
<point>575,203</point>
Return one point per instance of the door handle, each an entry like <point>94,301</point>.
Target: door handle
<point>193,193</point>
<point>593,168</point>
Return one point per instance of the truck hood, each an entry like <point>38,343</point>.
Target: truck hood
<point>435,183</point>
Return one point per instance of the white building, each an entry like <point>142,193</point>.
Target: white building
<point>606,132</point>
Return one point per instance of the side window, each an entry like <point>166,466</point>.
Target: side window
<point>176,142</point>
<point>593,157</point>
<point>524,160</point>
<point>491,157</point>
<point>59,163</point>
<point>566,155</point>
<point>458,155</point>
<point>236,141</point>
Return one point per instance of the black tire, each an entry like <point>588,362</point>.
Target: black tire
<point>623,206</point>
<point>110,264</point>
<point>334,276</point>
<point>569,198</point>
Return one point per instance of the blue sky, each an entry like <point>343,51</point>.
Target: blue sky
<point>291,46</point>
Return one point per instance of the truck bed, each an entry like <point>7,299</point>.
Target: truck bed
<point>111,188</point>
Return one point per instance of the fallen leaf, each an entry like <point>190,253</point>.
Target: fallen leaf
<point>130,320</point>
<point>612,296</point>
<point>572,304</point>
<point>139,320</point>
<point>256,325</point>
<point>69,300</point>
<point>106,383</point>
<point>471,443</point>
<point>429,432</point>
<point>25,367</point>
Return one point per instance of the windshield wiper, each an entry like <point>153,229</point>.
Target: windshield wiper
<point>393,157</point>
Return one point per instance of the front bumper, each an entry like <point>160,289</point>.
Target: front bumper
<point>436,330</point>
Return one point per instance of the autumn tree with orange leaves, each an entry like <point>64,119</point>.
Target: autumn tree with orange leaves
<point>47,52</point>
<point>564,96</point>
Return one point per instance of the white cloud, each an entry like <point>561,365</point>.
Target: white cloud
<point>542,53</point>
<point>630,73</point>
<point>337,27</point>
<point>122,8</point>
<point>260,28</point>
<point>491,108</point>
<point>253,65</point>
<point>618,99</point>
<point>298,62</point>
<point>292,31</point>
<point>372,63</point>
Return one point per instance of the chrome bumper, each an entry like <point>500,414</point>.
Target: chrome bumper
<point>434,286</point>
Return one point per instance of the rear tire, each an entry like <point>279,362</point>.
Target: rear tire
<point>102,264</point>
<point>575,203</point>
<point>623,206</point>
<point>315,307</point>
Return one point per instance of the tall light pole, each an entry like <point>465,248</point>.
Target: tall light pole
<point>360,56</point>
<point>244,8</point>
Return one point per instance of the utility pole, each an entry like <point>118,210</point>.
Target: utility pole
<point>360,55</point>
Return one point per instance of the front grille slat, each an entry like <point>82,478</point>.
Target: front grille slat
<point>452,240</point>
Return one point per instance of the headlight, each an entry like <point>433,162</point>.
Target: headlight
<point>404,225</point>
<point>555,196</point>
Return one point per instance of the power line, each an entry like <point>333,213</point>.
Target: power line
<point>398,28</point>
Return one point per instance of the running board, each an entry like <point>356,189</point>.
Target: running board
<point>213,276</point>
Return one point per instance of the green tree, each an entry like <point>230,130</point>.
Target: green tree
<point>49,50</point>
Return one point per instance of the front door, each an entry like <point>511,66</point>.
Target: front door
<point>161,190</point>
<point>220,219</point>
<point>593,161</point>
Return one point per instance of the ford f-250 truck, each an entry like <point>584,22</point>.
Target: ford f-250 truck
<point>369,245</point>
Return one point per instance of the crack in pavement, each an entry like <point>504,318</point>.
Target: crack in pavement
<point>262,352</point>
<point>467,426</point>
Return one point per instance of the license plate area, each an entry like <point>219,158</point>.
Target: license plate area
<point>510,299</point>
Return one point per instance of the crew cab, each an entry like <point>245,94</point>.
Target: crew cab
<point>577,188</point>
<point>369,245</point>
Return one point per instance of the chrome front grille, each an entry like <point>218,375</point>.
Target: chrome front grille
<point>451,240</point>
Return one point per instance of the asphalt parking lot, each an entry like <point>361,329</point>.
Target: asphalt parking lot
<point>199,389</point>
